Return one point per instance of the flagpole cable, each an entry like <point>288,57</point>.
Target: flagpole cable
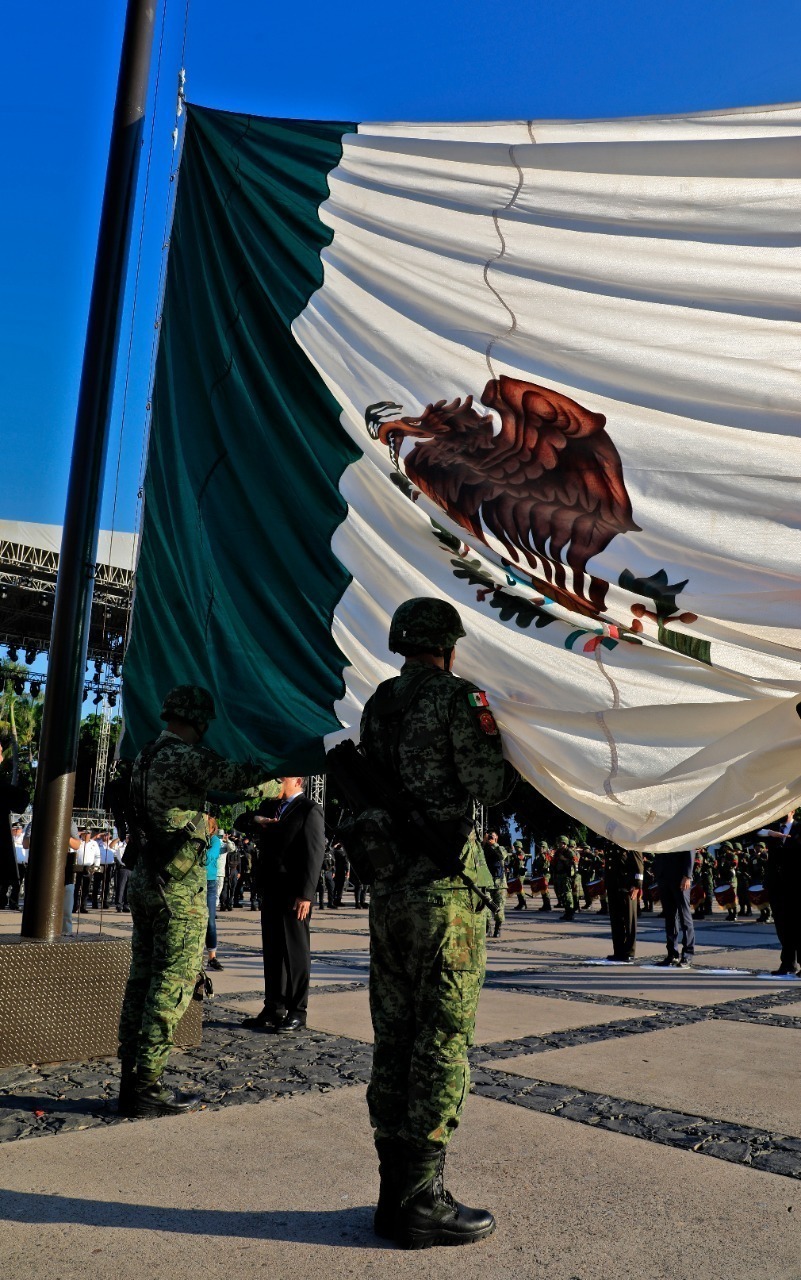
<point>176,155</point>
<point>137,273</point>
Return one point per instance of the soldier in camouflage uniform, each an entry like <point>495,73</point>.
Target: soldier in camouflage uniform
<point>728,866</point>
<point>167,891</point>
<point>517,869</point>
<point>436,735</point>
<point>493,856</point>
<point>541,866</point>
<point>565,873</point>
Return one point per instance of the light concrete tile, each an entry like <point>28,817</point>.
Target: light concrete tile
<point>507,1015</point>
<point>735,1071</point>
<point>685,987</point>
<point>288,1188</point>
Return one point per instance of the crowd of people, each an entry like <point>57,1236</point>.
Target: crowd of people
<point>740,877</point>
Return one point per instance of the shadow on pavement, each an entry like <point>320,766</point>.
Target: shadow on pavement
<point>349,1227</point>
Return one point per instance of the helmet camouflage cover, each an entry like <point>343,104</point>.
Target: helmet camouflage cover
<point>425,623</point>
<point>189,702</point>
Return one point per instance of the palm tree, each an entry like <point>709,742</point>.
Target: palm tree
<point>20,719</point>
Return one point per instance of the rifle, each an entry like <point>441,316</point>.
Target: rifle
<point>364,787</point>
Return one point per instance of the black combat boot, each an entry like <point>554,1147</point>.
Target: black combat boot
<point>496,933</point>
<point>157,1100</point>
<point>392,1172</point>
<point>127,1086</point>
<point>546,903</point>
<point>429,1215</point>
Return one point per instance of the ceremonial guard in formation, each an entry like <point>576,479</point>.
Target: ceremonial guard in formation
<point>493,856</point>
<point>541,874</point>
<point>623,877</point>
<point>564,866</point>
<point>167,891</point>
<point>435,736</point>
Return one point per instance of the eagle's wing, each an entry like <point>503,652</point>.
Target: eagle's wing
<point>557,475</point>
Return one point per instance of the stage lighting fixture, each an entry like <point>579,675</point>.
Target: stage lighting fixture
<point>36,688</point>
<point>13,653</point>
<point>44,601</point>
<point>112,699</point>
<point>31,656</point>
<point>98,698</point>
<point>3,593</point>
<point>98,665</point>
<point>115,670</point>
<point>19,686</point>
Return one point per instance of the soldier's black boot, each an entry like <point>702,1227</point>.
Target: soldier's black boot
<point>157,1100</point>
<point>125,1101</point>
<point>392,1172</point>
<point>546,903</point>
<point>429,1215</point>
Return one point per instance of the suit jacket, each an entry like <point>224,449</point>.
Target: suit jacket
<point>291,851</point>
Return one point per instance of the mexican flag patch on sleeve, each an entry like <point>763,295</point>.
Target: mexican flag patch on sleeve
<point>477,699</point>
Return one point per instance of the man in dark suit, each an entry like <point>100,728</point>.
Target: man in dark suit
<point>291,836</point>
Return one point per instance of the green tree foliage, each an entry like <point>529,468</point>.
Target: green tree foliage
<point>536,817</point>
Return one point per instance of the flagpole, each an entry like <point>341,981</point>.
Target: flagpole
<point>55,781</point>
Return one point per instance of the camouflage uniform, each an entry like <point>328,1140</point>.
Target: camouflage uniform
<point>517,867</point>
<point>541,866</point>
<point>728,865</point>
<point>169,921</point>
<point>427,953</point>
<point>565,871</point>
<point>436,735</point>
<point>493,856</point>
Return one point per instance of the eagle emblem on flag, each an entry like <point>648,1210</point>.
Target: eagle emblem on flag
<point>548,485</point>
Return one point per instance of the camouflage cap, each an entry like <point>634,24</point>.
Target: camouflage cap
<point>189,702</point>
<point>563,840</point>
<point>425,623</point>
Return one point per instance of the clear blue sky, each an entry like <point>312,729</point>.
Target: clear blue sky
<point>423,59</point>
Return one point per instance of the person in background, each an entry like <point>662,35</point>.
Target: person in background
<point>13,799</point>
<point>86,859</point>
<point>673,873</point>
<point>121,874</point>
<point>213,854</point>
<point>101,878</point>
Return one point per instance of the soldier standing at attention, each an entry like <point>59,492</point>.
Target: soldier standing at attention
<point>167,891</point>
<point>541,866</point>
<point>493,856</point>
<point>436,737</point>
<point>565,871</point>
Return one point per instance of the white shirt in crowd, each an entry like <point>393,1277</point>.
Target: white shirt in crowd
<point>88,855</point>
<point>20,852</point>
<point>106,854</point>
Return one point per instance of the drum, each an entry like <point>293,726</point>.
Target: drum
<point>514,886</point>
<point>538,884</point>
<point>596,888</point>
<point>656,896</point>
<point>758,895</point>
<point>725,895</point>
<point>697,895</point>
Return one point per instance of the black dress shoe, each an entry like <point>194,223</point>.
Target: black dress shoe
<point>621,959</point>
<point>214,963</point>
<point>291,1023</point>
<point>781,972</point>
<point>263,1022</point>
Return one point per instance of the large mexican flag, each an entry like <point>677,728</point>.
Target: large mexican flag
<point>546,370</point>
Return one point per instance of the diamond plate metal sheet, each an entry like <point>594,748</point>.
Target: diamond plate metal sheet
<point>60,1001</point>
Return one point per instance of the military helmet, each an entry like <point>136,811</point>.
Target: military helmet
<point>189,702</point>
<point>543,844</point>
<point>563,840</point>
<point>425,623</point>
<point>518,844</point>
